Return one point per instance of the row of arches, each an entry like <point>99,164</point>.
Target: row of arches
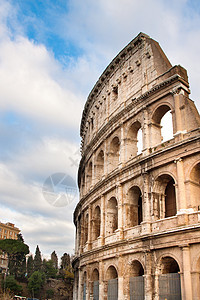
<point>160,129</point>
<point>164,207</point>
<point>163,200</point>
<point>167,283</point>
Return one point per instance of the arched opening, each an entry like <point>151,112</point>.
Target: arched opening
<point>112,278</point>
<point>86,228</point>
<point>100,165</point>
<point>136,281</point>
<point>161,125</point>
<point>164,197</point>
<point>95,279</point>
<point>169,280</point>
<point>96,222</point>
<point>170,199</point>
<point>134,140</point>
<point>112,216</point>
<point>134,207</point>
<point>195,187</point>
<point>89,175</point>
<point>166,127</point>
<point>114,153</point>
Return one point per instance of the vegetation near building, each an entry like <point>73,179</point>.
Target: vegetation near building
<point>30,266</point>
<point>37,260</point>
<point>16,251</point>
<point>54,259</point>
<point>36,283</point>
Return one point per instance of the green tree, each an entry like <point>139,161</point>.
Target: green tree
<point>16,251</point>
<point>36,282</point>
<point>9,283</point>
<point>54,259</point>
<point>49,269</point>
<point>37,260</point>
<point>30,266</point>
<point>20,237</point>
<point>49,293</point>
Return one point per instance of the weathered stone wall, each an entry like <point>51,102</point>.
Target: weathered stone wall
<point>139,212</point>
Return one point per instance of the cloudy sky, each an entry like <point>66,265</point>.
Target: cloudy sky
<point>51,54</point>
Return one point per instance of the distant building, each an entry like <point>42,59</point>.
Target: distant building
<point>7,231</point>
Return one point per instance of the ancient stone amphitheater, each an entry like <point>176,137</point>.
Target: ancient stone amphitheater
<point>138,218</point>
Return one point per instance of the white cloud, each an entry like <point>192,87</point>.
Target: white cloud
<point>28,84</point>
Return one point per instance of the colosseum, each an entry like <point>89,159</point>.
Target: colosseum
<point>138,218</point>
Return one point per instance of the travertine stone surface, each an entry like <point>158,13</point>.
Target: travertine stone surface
<point>138,218</point>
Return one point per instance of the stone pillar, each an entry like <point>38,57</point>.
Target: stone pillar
<point>102,229</point>
<point>90,227</point>
<point>146,202</point>
<point>146,205</point>
<point>187,273</point>
<point>120,209</point>
<point>82,233</point>
<point>105,158</point>
<point>179,111</point>
<point>122,147</point>
<point>80,285</point>
<point>77,237</point>
<point>181,199</point>
<point>101,280</point>
<point>145,132</point>
<point>148,277</point>
<point>93,174</point>
<point>75,287</point>
<point>120,278</point>
<point>156,285</point>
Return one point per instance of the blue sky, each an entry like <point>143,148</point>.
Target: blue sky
<point>51,55</point>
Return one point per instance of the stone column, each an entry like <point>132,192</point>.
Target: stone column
<point>148,276</point>
<point>187,273</point>
<point>146,201</point>
<point>90,227</point>
<point>80,285</point>
<point>101,280</point>
<point>93,174</point>
<point>156,285</point>
<point>181,201</point>
<point>120,209</point>
<point>105,158</point>
<point>146,205</point>
<point>77,236</point>
<point>179,111</point>
<point>145,132</point>
<point>81,233</point>
<point>120,278</point>
<point>75,287</point>
<point>122,147</point>
<point>102,229</point>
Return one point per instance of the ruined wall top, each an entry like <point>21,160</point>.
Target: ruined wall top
<point>142,57</point>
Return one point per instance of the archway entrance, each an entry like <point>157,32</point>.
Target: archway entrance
<point>95,277</point>
<point>136,281</point>
<point>112,277</point>
<point>169,280</point>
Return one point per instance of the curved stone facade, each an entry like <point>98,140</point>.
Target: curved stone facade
<point>138,218</point>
